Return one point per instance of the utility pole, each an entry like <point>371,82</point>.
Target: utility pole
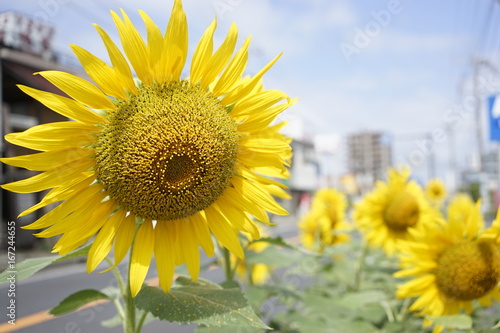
<point>477,65</point>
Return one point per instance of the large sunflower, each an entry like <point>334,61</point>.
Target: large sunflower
<point>451,265</point>
<point>387,214</point>
<point>325,223</point>
<point>166,161</point>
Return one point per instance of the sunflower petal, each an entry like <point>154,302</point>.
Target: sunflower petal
<point>202,54</point>
<point>100,72</point>
<point>141,256</point>
<point>48,160</point>
<point>175,43</point>
<point>234,71</point>
<point>220,59</point>
<point>104,241</point>
<point>223,231</point>
<point>119,62</point>
<point>64,106</point>
<point>165,254</point>
<point>79,89</point>
<point>54,136</point>
<point>134,47</point>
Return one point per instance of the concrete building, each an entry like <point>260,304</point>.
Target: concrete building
<point>369,154</point>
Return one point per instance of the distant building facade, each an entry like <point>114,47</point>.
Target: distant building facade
<point>25,48</point>
<point>369,155</point>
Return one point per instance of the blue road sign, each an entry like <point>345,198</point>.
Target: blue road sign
<point>494,117</point>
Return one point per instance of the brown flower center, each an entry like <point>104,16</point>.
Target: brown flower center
<point>468,270</point>
<point>167,152</point>
<point>402,211</point>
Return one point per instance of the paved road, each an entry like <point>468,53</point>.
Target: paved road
<point>46,289</point>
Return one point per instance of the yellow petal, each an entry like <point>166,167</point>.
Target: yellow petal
<point>190,251</point>
<point>175,43</point>
<point>155,46</point>
<point>100,72</point>
<point>77,218</point>
<point>124,237</point>
<point>237,217</point>
<point>202,233</point>
<point>48,160</point>
<point>202,54</point>
<point>234,71</point>
<point>264,145</point>
<point>64,191</point>
<point>141,256</point>
<point>262,119</point>
<point>220,58</point>
<point>258,103</point>
<point>64,106</point>
<point>134,47</point>
<point>246,205</point>
<point>244,89</point>
<point>53,136</point>
<point>84,230</point>
<point>119,62</point>
<point>223,231</point>
<point>165,254</point>
<point>79,199</point>
<point>49,179</point>
<point>104,240</point>
<point>79,89</point>
<point>253,192</point>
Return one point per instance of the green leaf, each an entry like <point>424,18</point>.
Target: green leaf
<point>76,300</point>
<point>201,302</point>
<point>227,329</point>
<point>460,321</point>
<point>271,256</point>
<point>30,266</point>
<point>279,241</point>
<point>357,299</point>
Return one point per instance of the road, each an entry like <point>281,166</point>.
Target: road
<point>41,292</point>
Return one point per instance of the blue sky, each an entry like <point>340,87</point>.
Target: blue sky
<point>411,65</point>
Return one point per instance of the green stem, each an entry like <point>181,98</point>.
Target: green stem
<point>129,323</point>
<point>228,270</point>
<point>359,268</point>
<point>404,309</point>
<point>119,279</point>
<point>141,322</point>
<point>388,311</point>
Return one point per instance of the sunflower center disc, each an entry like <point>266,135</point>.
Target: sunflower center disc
<point>402,211</point>
<point>168,152</point>
<point>468,270</point>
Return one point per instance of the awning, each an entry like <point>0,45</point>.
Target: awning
<point>22,74</point>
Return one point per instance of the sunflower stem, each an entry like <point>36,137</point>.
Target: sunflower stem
<point>141,322</point>
<point>404,309</point>
<point>121,286</point>
<point>359,268</point>
<point>228,270</point>
<point>129,323</point>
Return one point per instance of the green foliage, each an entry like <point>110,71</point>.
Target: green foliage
<point>201,302</point>
<point>76,300</point>
<point>28,267</point>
